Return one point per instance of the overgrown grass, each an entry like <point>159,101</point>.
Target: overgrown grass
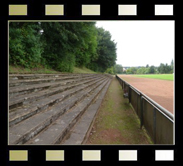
<point>117,122</point>
<point>42,70</point>
<point>158,76</point>
<point>82,70</point>
<point>22,70</point>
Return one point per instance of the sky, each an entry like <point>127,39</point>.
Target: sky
<point>142,42</point>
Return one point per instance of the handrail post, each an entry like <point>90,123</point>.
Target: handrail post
<point>129,89</point>
<point>141,111</point>
<point>137,103</point>
<point>154,124</point>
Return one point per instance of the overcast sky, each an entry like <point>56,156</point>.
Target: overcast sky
<point>142,42</point>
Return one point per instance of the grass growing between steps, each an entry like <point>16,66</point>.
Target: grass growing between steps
<point>117,122</point>
<point>42,70</point>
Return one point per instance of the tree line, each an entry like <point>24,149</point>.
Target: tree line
<point>61,45</point>
<point>161,69</point>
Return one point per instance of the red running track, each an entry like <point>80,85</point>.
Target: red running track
<point>161,91</point>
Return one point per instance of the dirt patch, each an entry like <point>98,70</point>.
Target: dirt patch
<point>161,91</point>
<point>113,135</point>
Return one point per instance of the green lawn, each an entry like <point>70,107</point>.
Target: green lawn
<point>157,76</point>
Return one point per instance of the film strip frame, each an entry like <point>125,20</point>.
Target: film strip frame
<point>30,155</point>
<point>94,9</point>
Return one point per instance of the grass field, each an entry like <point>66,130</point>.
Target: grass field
<point>158,76</point>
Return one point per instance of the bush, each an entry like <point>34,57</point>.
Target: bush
<point>110,70</point>
<point>66,64</point>
<point>25,47</point>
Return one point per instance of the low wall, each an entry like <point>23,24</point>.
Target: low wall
<point>158,122</point>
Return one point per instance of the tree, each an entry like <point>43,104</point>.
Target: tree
<point>172,66</point>
<point>69,43</point>
<point>141,70</point>
<point>167,68</point>
<point>87,51</point>
<point>118,69</point>
<point>61,45</point>
<point>161,68</point>
<point>164,68</point>
<point>25,48</point>
<point>131,70</point>
<point>61,41</point>
<point>152,69</point>
<point>106,51</point>
<point>110,70</point>
<point>134,70</point>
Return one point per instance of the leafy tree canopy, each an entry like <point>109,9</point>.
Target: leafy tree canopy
<point>61,45</point>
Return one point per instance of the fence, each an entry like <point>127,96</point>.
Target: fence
<point>158,122</point>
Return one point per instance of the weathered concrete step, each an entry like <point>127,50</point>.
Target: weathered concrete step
<point>35,76</point>
<point>109,75</point>
<point>22,132</point>
<point>19,100</point>
<point>44,80</point>
<point>57,130</point>
<point>80,132</point>
<point>32,76</point>
<point>14,91</point>
<point>20,114</point>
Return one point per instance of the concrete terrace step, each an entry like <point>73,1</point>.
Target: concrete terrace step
<point>36,76</point>
<point>27,129</point>
<point>80,132</point>
<point>28,98</point>
<point>32,76</point>
<point>18,90</point>
<point>59,128</point>
<point>43,80</point>
<point>28,110</point>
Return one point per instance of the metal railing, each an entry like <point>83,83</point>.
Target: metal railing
<point>158,122</point>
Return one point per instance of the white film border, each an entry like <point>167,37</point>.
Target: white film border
<point>163,10</point>
<point>91,10</point>
<point>91,155</point>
